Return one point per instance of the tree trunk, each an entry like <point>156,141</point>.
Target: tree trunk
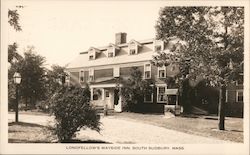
<point>221,110</point>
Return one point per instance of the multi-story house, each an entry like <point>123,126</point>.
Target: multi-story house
<point>101,66</point>
<point>234,97</point>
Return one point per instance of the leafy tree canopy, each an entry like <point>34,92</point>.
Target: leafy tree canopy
<point>32,71</point>
<point>134,88</point>
<point>210,41</point>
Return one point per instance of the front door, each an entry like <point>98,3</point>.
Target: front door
<point>108,99</point>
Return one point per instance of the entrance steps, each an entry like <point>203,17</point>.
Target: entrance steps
<point>102,112</point>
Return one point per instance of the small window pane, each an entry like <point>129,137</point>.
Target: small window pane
<point>91,57</point>
<point>148,98</point>
<point>240,96</point>
<point>110,54</point>
<point>132,51</point>
<point>147,74</point>
<point>161,94</point>
<point>107,93</point>
<point>161,73</point>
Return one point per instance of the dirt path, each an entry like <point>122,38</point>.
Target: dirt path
<point>115,130</point>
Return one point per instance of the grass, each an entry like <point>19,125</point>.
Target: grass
<point>192,124</point>
<point>22,132</point>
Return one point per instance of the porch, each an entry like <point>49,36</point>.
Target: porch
<point>106,96</point>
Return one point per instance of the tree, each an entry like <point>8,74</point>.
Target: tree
<point>14,19</point>
<point>134,89</point>
<point>72,112</point>
<point>210,46</point>
<point>32,71</point>
<point>13,16</point>
<point>55,78</point>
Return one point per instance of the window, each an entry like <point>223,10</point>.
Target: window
<point>132,52</point>
<point>91,74</point>
<point>91,57</point>
<point>147,71</point>
<point>158,45</point>
<point>239,96</point>
<point>116,71</point>
<point>81,76</point>
<point>240,80</point>
<point>157,48</point>
<point>148,98</point>
<point>162,72</point>
<point>110,54</point>
<point>161,94</point>
<point>106,93</point>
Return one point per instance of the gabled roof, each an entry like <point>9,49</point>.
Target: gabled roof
<point>113,45</point>
<point>135,42</point>
<point>82,60</point>
<point>93,48</point>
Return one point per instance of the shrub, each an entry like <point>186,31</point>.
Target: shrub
<point>72,111</point>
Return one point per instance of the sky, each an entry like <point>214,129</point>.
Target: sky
<point>60,30</point>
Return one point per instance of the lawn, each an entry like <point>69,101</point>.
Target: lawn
<point>198,125</point>
<point>22,132</point>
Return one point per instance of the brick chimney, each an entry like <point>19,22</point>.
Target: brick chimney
<point>120,38</point>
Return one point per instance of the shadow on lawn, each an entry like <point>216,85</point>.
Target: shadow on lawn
<point>26,124</point>
<point>12,140</point>
<point>44,129</point>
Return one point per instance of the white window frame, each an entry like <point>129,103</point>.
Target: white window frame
<point>81,75</point>
<point>111,50</point>
<point>237,84</point>
<point>92,53</point>
<point>116,71</point>
<point>158,94</point>
<point>133,45</point>
<point>150,70</point>
<point>91,74</point>
<point>162,68</point>
<point>237,95</point>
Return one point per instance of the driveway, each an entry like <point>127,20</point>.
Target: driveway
<point>115,130</point>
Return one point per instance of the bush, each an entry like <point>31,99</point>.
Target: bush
<point>72,111</point>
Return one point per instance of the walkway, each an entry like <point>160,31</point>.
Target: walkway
<point>115,130</point>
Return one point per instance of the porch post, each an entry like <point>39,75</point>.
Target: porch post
<point>177,99</point>
<point>103,93</point>
<point>91,93</point>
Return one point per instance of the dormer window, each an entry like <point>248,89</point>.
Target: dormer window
<point>133,47</point>
<point>132,52</point>
<point>91,57</point>
<point>91,74</point>
<point>93,53</point>
<point>110,54</point>
<point>158,48</point>
<point>158,45</point>
<point>162,72</point>
<point>112,50</point>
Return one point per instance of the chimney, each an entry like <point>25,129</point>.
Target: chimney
<point>120,38</point>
